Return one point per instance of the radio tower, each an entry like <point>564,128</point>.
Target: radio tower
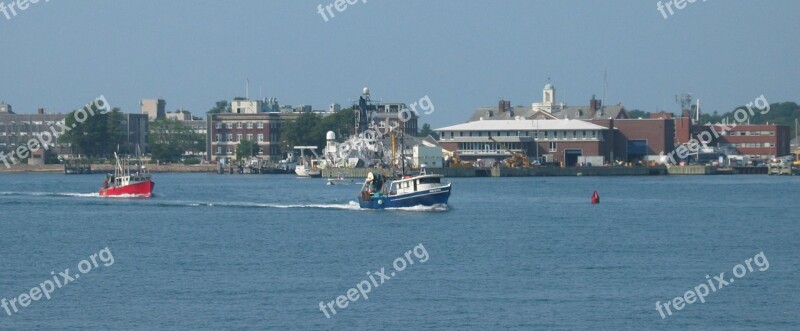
<point>685,100</point>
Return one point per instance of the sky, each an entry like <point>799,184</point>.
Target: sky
<point>59,54</point>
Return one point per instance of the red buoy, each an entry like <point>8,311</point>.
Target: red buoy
<point>595,198</point>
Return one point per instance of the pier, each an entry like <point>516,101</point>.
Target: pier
<point>77,167</point>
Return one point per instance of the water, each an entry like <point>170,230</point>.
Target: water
<point>261,252</point>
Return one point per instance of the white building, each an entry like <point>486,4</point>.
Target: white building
<point>553,140</point>
<point>548,103</point>
<point>246,106</point>
<point>154,108</point>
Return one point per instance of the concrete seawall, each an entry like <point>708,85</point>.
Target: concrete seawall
<point>512,172</point>
<point>105,168</point>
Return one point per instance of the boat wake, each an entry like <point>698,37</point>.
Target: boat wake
<point>440,207</point>
<point>351,205</point>
<point>51,194</point>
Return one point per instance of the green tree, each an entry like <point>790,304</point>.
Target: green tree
<point>309,129</point>
<point>94,133</point>
<point>221,106</point>
<point>170,139</point>
<point>246,149</point>
<point>636,113</point>
<point>304,131</point>
<point>427,131</point>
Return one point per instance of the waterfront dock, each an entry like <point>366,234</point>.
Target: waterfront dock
<point>510,172</point>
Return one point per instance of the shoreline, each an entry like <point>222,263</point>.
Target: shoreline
<point>106,168</point>
<point>694,170</point>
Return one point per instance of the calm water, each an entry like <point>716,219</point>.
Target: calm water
<point>261,252</point>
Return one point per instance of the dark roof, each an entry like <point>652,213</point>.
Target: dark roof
<point>581,113</point>
<point>586,113</point>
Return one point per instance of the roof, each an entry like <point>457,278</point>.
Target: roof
<point>586,113</point>
<point>522,125</point>
<point>581,113</point>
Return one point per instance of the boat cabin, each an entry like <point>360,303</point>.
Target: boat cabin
<point>415,184</point>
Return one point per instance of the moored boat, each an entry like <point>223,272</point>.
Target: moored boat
<point>307,166</point>
<point>126,181</point>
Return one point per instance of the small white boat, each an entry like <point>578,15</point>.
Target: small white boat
<point>306,166</point>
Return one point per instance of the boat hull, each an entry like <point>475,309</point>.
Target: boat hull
<point>431,197</point>
<point>302,172</point>
<point>143,189</point>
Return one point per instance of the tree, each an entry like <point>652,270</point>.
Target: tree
<point>246,149</point>
<point>304,131</point>
<point>310,129</point>
<point>170,139</point>
<point>636,113</point>
<point>221,106</point>
<point>94,133</point>
<point>427,131</point>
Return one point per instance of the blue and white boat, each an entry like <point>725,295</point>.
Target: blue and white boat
<point>409,191</point>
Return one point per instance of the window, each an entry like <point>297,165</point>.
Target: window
<point>219,137</point>
<point>219,150</point>
<point>238,125</point>
<point>228,150</point>
<point>461,133</point>
<point>229,137</point>
<point>249,137</point>
<point>218,125</point>
<point>553,147</point>
<point>239,137</point>
<point>594,134</point>
<point>429,180</point>
<point>584,134</point>
<point>249,125</point>
<point>451,134</point>
<point>260,125</point>
<point>546,133</point>
<point>229,125</point>
<point>574,134</point>
<point>260,137</point>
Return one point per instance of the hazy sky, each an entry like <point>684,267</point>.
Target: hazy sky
<point>462,54</point>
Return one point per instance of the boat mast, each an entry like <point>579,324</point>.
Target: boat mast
<point>402,150</point>
<point>394,148</point>
<point>118,169</point>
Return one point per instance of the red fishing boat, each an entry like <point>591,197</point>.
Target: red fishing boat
<point>128,180</point>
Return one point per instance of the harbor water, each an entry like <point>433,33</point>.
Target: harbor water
<point>263,251</point>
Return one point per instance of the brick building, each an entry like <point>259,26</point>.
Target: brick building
<point>760,142</point>
<point>226,130</point>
